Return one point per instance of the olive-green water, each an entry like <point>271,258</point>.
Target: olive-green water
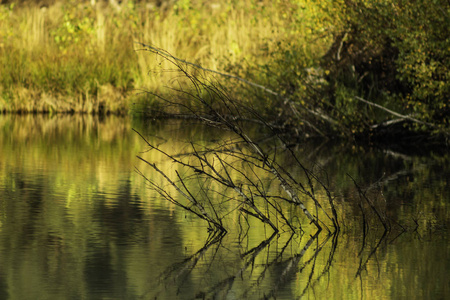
<point>78,222</point>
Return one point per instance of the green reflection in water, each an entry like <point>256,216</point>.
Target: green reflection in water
<point>76,222</point>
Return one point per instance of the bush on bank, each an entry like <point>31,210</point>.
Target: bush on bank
<point>396,54</point>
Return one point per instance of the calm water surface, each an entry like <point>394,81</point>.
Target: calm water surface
<point>77,222</point>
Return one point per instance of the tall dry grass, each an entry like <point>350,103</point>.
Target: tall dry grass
<point>79,57</point>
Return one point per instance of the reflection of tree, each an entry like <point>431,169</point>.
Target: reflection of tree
<point>122,218</point>
<point>99,274</point>
<point>28,207</point>
<point>257,273</point>
<point>3,286</point>
<point>119,219</point>
<point>67,251</point>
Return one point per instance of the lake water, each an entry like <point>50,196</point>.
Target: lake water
<point>78,222</point>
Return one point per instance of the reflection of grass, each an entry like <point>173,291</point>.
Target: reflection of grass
<point>77,57</point>
<point>67,143</point>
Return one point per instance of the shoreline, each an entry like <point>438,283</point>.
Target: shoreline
<point>405,141</point>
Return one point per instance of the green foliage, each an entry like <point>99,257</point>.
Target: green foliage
<point>397,51</point>
<point>423,39</point>
<point>77,27</point>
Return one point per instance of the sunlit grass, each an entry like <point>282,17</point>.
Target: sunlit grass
<point>75,57</point>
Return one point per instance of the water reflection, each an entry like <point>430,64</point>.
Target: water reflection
<point>76,222</point>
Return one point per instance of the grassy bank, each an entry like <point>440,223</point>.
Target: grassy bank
<point>340,67</point>
<point>79,57</point>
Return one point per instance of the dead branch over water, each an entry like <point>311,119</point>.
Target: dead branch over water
<point>241,170</point>
<point>212,165</point>
<point>206,100</point>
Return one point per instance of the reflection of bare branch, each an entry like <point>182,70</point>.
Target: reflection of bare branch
<point>184,268</point>
<point>372,206</point>
<point>227,283</point>
<point>385,180</point>
<point>313,260</point>
<point>362,265</point>
<point>329,263</point>
<point>290,266</point>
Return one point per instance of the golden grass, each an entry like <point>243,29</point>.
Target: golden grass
<point>82,58</point>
